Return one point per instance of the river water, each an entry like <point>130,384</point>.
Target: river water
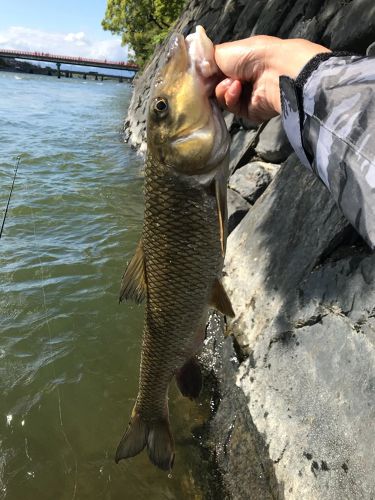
<point>69,353</point>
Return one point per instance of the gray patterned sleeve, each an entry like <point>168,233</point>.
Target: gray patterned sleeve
<point>329,116</point>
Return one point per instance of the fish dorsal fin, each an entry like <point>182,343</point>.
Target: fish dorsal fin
<point>133,283</point>
<point>220,299</point>
<point>221,202</point>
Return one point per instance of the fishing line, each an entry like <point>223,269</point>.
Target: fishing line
<point>36,246</point>
<point>10,194</point>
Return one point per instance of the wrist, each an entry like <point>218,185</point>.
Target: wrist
<point>293,55</point>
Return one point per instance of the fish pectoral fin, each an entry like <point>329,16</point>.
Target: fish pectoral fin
<point>189,379</point>
<point>133,283</point>
<point>220,299</point>
<point>221,202</point>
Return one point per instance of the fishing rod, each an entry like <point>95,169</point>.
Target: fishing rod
<point>10,195</point>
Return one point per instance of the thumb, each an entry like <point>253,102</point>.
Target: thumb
<point>239,60</point>
<point>231,57</point>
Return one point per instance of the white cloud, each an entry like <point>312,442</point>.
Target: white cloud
<point>71,37</point>
<point>69,44</point>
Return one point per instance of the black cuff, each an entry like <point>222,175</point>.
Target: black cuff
<point>314,63</point>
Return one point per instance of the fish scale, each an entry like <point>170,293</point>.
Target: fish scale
<point>181,245</point>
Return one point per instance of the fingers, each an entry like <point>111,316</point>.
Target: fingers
<point>228,93</point>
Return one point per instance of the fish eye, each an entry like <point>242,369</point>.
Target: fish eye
<point>161,106</point>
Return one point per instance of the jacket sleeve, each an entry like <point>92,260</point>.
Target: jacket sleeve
<point>328,114</point>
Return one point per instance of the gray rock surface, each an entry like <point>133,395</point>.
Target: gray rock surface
<point>252,179</point>
<point>239,449</point>
<point>307,327</point>
<point>241,142</point>
<point>273,144</point>
<point>281,239</point>
<point>237,209</point>
<point>295,383</point>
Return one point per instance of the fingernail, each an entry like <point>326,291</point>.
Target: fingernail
<point>227,82</point>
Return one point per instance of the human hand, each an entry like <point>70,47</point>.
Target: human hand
<point>253,67</point>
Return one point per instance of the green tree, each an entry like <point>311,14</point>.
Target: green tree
<point>141,23</point>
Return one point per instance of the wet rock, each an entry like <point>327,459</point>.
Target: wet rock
<point>239,449</point>
<point>241,146</point>
<point>252,179</point>
<point>237,209</point>
<point>273,144</point>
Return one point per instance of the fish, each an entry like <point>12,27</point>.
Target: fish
<point>177,265</point>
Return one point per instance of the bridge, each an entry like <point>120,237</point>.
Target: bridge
<point>77,61</point>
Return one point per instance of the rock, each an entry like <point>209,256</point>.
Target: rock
<point>247,124</point>
<point>272,16</point>
<point>252,179</point>
<point>280,240</point>
<point>307,326</point>
<point>229,119</point>
<point>237,209</point>
<point>298,17</point>
<point>313,374</point>
<point>311,393</point>
<point>248,18</point>
<point>344,34</point>
<point>239,449</point>
<point>240,148</point>
<point>273,144</point>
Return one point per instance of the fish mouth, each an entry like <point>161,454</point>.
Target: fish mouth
<point>196,54</point>
<point>176,46</point>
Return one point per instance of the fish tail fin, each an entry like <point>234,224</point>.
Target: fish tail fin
<point>134,439</point>
<point>160,444</point>
<point>156,435</point>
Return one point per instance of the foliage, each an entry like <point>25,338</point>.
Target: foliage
<point>141,23</point>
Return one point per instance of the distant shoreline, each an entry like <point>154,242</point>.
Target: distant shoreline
<point>17,66</point>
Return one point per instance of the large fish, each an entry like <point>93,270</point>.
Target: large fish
<point>178,262</point>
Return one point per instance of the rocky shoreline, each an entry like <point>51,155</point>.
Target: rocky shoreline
<point>295,417</point>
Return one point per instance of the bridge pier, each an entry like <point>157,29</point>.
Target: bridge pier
<point>58,66</point>
<point>120,79</point>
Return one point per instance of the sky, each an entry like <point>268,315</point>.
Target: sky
<point>67,27</point>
